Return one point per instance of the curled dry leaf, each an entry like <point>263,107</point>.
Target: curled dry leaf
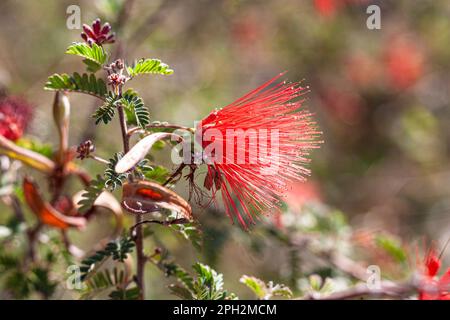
<point>145,197</point>
<point>46,213</point>
<point>140,150</point>
<point>28,157</point>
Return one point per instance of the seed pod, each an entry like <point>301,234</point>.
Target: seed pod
<point>61,115</point>
<point>28,157</point>
<point>145,197</point>
<point>140,150</point>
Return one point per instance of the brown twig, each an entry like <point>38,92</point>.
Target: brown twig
<point>163,223</point>
<point>162,126</point>
<point>98,159</point>
<point>32,234</point>
<point>175,174</point>
<point>386,289</point>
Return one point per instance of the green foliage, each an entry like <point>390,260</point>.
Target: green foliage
<point>8,261</point>
<point>149,66</point>
<point>95,188</point>
<point>316,286</point>
<point>118,250</point>
<point>21,284</point>
<point>35,145</point>
<point>110,180</point>
<point>266,291</point>
<point>41,282</point>
<point>85,83</point>
<point>114,280</point>
<point>106,112</point>
<point>94,55</point>
<point>97,281</point>
<point>136,107</point>
<point>143,167</point>
<point>392,247</point>
<point>102,280</point>
<point>158,174</point>
<point>125,294</point>
<point>191,232</point>
<point>114,179</point>
<point>208,284</point>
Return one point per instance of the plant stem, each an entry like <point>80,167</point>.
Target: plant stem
<point>141,259</point>
<point>139,239</point>
<point>123,127</point>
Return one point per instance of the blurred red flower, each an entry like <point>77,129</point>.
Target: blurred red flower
<point>327,8</point>
<point>345,105</point>
<point>15,114</point>
<point>362,69</point>
<point>297,196</point>
<point>250,187</point>
<point>404,62</point>
<point>434,288</point>
<point>301,193</point>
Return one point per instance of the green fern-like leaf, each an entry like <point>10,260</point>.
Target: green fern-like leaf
<point>208,284</point>
<point>135,104</point>
<point>125,294</point>
<point>102,281</point>
<point>114,179</point>
<point>96,187</point>
<point>104,113</point>
<point>117,249</point>
<point>172,269</point>
<point>94,55</point>
<point>149,66</point>
<point>143,167</point>
<point>85,83</point>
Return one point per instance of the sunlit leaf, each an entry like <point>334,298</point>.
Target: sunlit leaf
<point>149,66</point>
<point>95,54</point>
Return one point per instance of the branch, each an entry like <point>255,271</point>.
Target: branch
<point>163,223</point>
<point>386,289</point>
<point>163,126</point>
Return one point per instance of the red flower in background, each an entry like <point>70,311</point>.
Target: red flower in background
<point>302,193</point>
<point>250,188</point>
<point>404,62</point>
<point>15,114</point>
<point>363,70</point>
<point>97,33</point>
<point>327,8</point>
<point>345,105</point>
<point>432,288</point>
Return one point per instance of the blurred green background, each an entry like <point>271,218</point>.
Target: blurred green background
<point>381,98</point>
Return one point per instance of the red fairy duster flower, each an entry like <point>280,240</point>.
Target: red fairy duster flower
<point>15,114</point>
<point>434,288</point>
<point>255,147</point>
<point>97,33</point>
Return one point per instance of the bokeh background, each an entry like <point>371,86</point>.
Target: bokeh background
<point>381,98</point>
